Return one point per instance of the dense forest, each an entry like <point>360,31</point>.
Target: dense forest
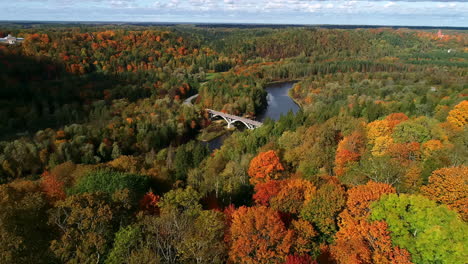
<point>100,161</point>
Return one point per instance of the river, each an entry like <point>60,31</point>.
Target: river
<point>279,103</point>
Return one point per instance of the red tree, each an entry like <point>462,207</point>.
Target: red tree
<point>304,259</point>
<point>52,186</point>
<point>149,203</point>
<point>265,191</point>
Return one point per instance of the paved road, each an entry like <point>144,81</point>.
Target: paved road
<point>188,101</point>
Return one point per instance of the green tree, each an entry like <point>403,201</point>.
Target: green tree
<point>203,241</point>
<point>412,131</point>
<point>130,247</point>
<point>323,209</point>
<point>381,169</point>
<point>431,233</point>
<point>181,200</point>
<point>108,181</point>
<point>188,156</point>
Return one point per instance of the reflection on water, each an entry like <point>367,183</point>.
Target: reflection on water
<point>217,142</point>
<point>279,103</point>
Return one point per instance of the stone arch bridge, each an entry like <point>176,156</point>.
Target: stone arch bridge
<point>231,119</point>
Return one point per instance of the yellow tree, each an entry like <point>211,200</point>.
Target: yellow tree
<point>458,117</point>
<point>381,145</point>
<point>378,128</point>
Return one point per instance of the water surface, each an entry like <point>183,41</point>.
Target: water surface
<point>279,103</point>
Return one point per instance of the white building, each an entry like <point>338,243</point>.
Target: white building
<point>11,40</point>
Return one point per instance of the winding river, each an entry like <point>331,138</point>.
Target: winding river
<point>279,103</point>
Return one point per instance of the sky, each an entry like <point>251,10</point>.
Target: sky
<point>360,12</point>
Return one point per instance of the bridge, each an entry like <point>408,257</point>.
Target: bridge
<point>231,119</point>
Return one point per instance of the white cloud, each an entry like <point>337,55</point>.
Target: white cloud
<point>389,4</point>
<point>294,11</point>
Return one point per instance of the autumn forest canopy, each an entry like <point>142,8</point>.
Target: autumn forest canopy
<point>101,160</point>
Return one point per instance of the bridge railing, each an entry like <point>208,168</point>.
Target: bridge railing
<point>230,119</point>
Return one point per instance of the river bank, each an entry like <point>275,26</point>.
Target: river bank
<point>279,103</point>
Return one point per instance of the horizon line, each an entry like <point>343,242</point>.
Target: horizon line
<point>220,23</point>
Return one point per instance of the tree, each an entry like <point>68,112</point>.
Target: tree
<point>360,198</point>
<point>349,150</point>
<point>149,203</point>
<point>395,119</point>
<point>405,153</point>
<point>431,146</point>
<point>323,209</point>
<point>203,241</point>
<point>458,117</point>
<point>128,241</point>
<point>181,200</point>
<point>376,129</point>
<point>295,259</point>
<point>382,169</point>
<point>52,186</point>
<point>360,241</point>
<point>23,224</point>
<point>265,191</point>
<point>368,243</point>
<point>182,233</point>
<point>449,186</point>
<point>304,238</point>
<point>161,235</point>
<point>259,236</point>
<point>412,180</point>
<point>264,167</point>
<point>108,181</point>
<point>86,223</point>
<point>188,156</point>
<point>412,131</point>
<point>381,145</point>
<point>430,232</point>
<point>292,195</point>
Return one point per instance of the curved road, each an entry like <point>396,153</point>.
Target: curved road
<point>188,101</point>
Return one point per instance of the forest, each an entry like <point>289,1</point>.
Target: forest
<point>100,160</point>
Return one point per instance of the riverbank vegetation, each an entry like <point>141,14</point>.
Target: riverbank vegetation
<point>100,163</point>
<point>214,130</point>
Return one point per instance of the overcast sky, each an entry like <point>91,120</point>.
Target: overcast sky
<point>362,12</point>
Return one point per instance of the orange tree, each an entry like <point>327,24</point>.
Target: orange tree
<point>259,236</point>
<point>264,167</point>
<point>449,186</point>
<point>360,241</point>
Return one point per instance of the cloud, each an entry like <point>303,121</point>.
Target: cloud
<point>413,12</point>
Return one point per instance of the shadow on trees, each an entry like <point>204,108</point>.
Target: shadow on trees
<point>37,93</point>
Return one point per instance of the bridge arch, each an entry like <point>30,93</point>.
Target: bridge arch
<point>247,125</point>
<point>228,121</point>
<point>231,119</point>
